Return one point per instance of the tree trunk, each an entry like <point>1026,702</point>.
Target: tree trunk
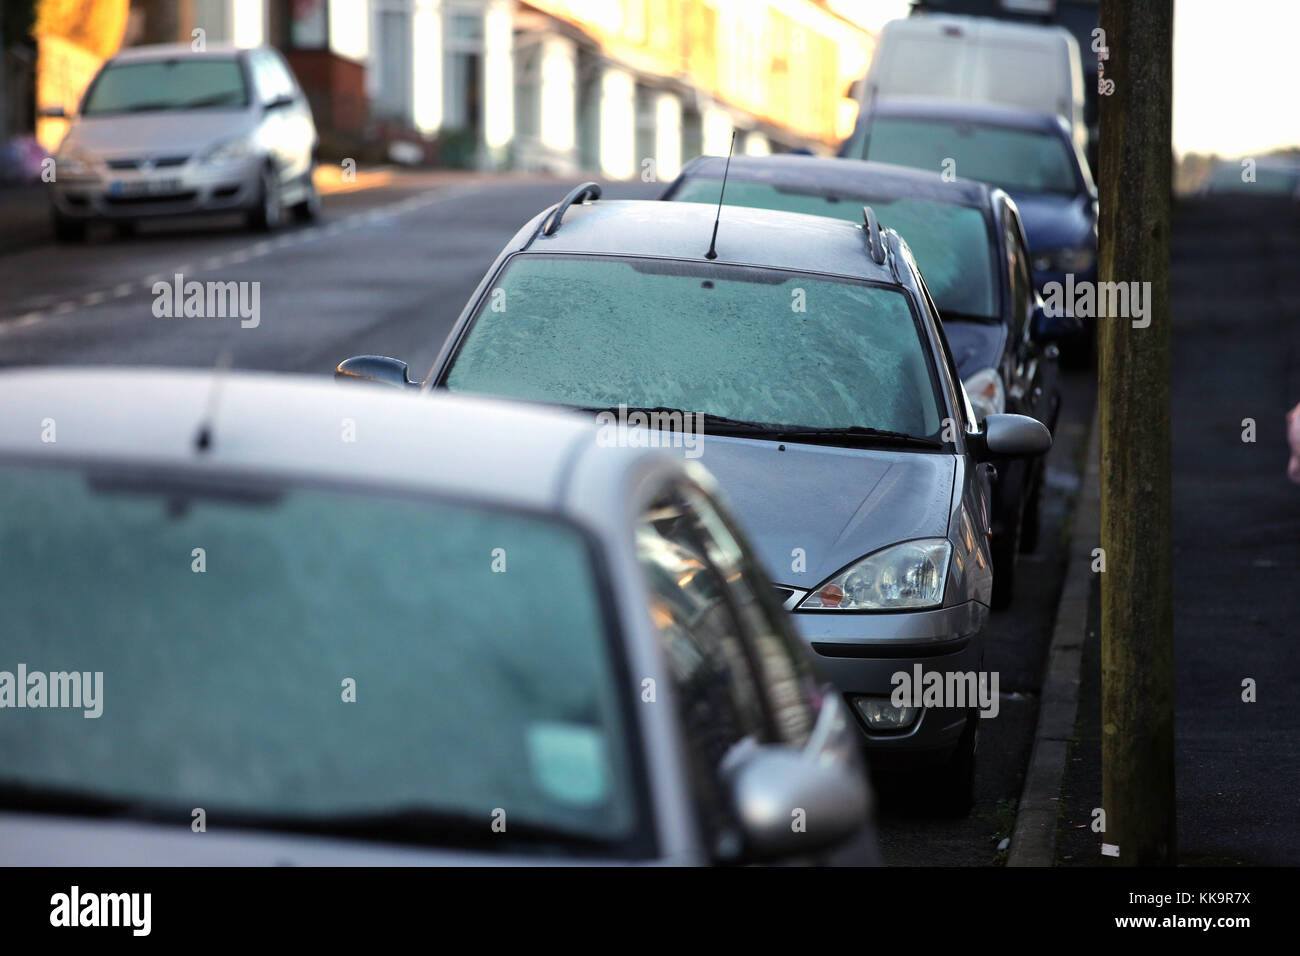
<point>1133,368</point>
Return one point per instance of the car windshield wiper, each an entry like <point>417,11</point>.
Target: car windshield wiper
<point>854,435</point>
<point>148,107</point>
<point>948,315</point>
<point>215,99</point>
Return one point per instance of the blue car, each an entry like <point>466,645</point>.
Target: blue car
<point>1029,155</point>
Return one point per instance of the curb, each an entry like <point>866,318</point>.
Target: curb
<point>1033,840</point>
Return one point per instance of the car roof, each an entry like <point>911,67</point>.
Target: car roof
<point>748,236</point>
<point>978,26</point>
<point>293,427</point>
<point>168,51</point>
<point>1010,117</point>
<point>821,176</point>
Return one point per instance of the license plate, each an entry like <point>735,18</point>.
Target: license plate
<point>143,187</point>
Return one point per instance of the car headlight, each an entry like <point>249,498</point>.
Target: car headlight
<point>1071,259</point>
<point>987,395</point>
<point>228,152</point>
<point>907,575</point>
<point>74,162</point>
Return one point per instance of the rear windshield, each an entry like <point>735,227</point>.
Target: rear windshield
<point>1017,160</point>
<point>231,626</point>
<point>177,84</point>
<point>950,242</point>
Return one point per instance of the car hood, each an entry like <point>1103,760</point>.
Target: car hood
<point>164,131</point>
<point>836,504</point>
<point>1052,221</point>
<point>975,345</point>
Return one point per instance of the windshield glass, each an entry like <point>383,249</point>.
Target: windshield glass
<point>759,345</point>
<point>309,655</point>
<point>178,84</point>
<point>1015,159</point>
<point>950,242</point>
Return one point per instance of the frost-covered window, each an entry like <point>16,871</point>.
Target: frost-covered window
<point>759,345</point>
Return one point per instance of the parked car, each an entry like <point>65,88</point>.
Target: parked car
<point>1027,66</point>
<point>835,419</point>
<point>345,627</point>
<point>1028,155</point>
<point>969,243</point>
<point>165,131</point>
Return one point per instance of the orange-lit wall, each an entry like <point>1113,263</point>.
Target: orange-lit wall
<point>73,37</point>
<point>787,62</point>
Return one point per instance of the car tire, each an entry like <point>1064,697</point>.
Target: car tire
<point>954,785</point>
<point>267,214</point>
<point>68,230</point>
<point>125,228</point>
<point>1029,527</point>
<point>1005,549</point>
<point>309,208</point>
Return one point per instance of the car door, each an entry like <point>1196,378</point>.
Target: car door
<point>1023,364</point>
<point>740,675</point>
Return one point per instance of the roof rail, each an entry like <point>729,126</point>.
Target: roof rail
<point>872,227</point>
<point>576,194</point>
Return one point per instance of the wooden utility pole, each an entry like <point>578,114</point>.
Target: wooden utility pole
<point>1137,698</point>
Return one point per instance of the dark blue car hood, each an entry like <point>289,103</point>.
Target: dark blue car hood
<point>975,345</point>
<point>1053,221</point>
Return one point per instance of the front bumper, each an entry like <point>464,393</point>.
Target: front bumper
<point>187,189</point>
<point>860,653</point>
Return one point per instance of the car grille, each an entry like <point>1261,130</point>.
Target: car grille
<point>160,162</point>
<point>146,200</point>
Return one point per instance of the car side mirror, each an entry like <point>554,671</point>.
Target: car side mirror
<point>1012,436</point>
<point>52,112</point>
<point>1046,328</point>
<point>825,780</point>
<point>375,368</point>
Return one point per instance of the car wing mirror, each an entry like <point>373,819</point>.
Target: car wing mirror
<point>823,785</point>
<point>375,368</point>
<point>1012,436</point>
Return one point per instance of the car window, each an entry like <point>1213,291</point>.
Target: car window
<point>719,700</point>
<point>789,680</point>
<point>1015,159</point>
<point>174,84</point>
<point>231,624</point>
<point>1022,284</point>
<point>270,76</point>
<point>950,241</point>
<point>759,345</point>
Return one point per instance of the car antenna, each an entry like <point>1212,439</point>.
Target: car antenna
<point>713,243</point>
<point>203,438</point>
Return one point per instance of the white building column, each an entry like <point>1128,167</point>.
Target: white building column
<point>617,132</point>
<point>757,144</point>
<point>498,81</point>
<point>668,135</point>
<point>248,22</point>
<point>717,125</point>
<point>557,78</point>
<point>426,66</point>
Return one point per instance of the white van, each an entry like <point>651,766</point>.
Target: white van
<point>980,60</point>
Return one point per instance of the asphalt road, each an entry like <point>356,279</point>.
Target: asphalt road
<point>387,271</point>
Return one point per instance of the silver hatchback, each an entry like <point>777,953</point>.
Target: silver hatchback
<point>166,131</point>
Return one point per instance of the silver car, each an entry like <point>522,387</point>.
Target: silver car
<point>275,620</point>
<point>165,131</point>
<point>810,362</point>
